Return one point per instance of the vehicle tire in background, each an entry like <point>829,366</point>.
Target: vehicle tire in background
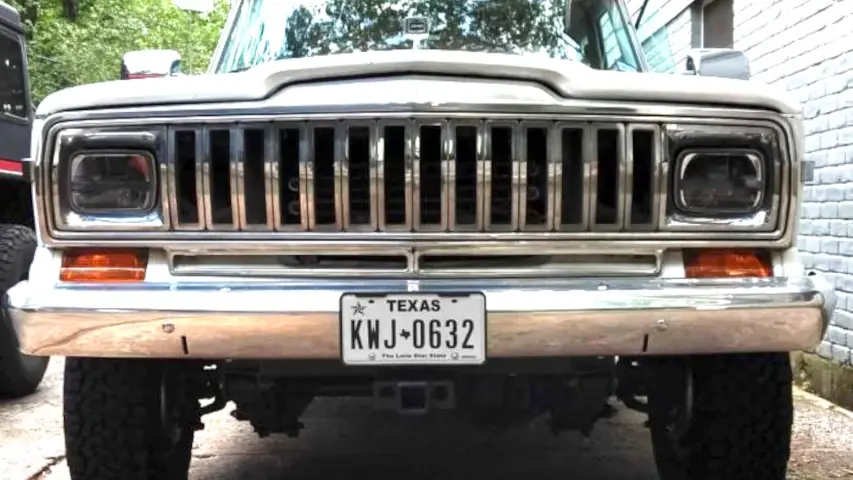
<point>739,426</point>
<point>19,374</point>
<point>114,420</point>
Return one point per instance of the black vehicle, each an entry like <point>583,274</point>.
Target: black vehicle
<point>19,374</point>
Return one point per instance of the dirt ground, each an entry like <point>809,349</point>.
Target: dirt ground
<point>823,440</point>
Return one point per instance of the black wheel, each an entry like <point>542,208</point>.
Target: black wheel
<point>128,419</point>
<point>19,374</point>
<point>721,417</point>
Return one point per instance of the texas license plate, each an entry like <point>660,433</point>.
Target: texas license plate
<point>413,329</point>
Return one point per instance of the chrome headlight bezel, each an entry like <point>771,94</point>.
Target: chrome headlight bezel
<point>765,148</point>
<point>71,144</point>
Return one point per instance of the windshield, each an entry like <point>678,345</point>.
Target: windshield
<point>596,33</point>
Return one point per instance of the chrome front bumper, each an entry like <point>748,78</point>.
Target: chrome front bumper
<point>299,320</point>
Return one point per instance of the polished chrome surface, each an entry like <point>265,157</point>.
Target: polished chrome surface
<point>516,295</point>
<point>66,218</point>
<point>533,317</point>
<point>385,262</point>
<point>398,99</point>
<point>661,225</point>
<point>782,172</point>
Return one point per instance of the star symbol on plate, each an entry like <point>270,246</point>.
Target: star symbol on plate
<point>358,309</point>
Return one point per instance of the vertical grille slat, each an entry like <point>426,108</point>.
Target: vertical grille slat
<point>184,171</point>
<point>374,167</point>
<point>253,181</point>
<point>519,176</point>
<point>448,177</point>
<point>608,177</point>
<point>358,179</point>
<point>465,157</point>
<point>271,177</point>
<point>501,173</point>
<point>219,180</point>
<point>415,175</point>
<point>394,176</point>
<point>554,174</point>
<point>572,177</point>
<point>237,171</point>
<point>534,189</point>
<point>643,156</point>
<point>430,192</point>
<point>290,155</point>
<point>324,177</point>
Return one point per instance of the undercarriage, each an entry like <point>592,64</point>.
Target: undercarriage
<point>572,393</point>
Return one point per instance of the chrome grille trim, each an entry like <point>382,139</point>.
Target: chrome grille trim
<point>382,196</point>
<point>452,160</point>
<point>203,156</point>
<point>587,159</point>
<point>418,207</point>
<point>656,165</point>
<point>595,168</point>
<point>488,131</point>
<point>524,164</point>
<point>343,175</point>
<point>58,232</point>
<point>237,177</point>
<point>171,176</point>
<point>303,179</point>
<point>272,152</point>
<point>444,176</point>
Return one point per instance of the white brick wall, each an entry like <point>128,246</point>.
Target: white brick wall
<point>805,46</point>
<point>665,32</point>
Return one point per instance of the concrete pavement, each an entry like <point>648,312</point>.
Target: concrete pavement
<point>344,438</point>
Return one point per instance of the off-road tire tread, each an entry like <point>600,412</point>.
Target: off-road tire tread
<point>14,239</point>
<point>743,417</point>
<point>19,375</point>
<point>110,407</point>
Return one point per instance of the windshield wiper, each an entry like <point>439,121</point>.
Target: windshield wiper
<point>640,14</point>
<point>241,69</point>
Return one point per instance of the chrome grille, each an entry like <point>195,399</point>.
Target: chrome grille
<point>421,175</point>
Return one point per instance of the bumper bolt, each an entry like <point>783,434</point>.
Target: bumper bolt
<point>168,327</point>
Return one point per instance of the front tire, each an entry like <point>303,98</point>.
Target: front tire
<point>721,416</point>
<point>119,424</point>
<point>20,374</point>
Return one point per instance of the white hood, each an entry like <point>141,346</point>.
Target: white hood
<point>569,79</point>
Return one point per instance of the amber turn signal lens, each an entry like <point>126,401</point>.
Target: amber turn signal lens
<point>103,266</point>
<point>727,263</point>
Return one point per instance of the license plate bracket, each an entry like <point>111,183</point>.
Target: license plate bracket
<point>413,329</point>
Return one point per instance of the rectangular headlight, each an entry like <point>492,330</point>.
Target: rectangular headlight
<point>726,178</point>
<point>108,179</point>
<point>715,182</point>
<point>123,182</point>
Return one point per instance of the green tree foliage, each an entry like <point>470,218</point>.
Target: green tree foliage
<point>74,42</point>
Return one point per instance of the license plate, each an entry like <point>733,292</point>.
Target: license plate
<point>413,329</point>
